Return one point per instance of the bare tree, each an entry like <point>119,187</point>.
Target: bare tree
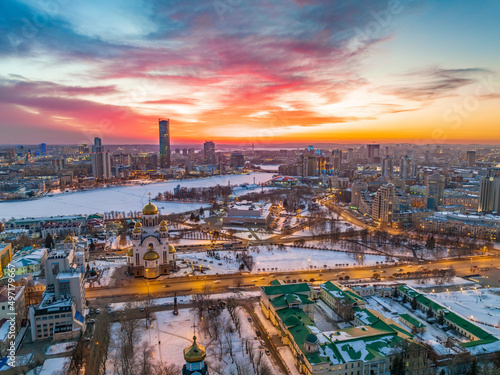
<point>145,359</point>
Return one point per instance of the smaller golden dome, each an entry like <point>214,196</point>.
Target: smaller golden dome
<point>163,223</point>
<point>69,239</point>
<point>194,353</point>
<point>136,230</point>
<point>171,249</point>
<point>138,224</point>
<point>151,255</point>
<point>163,229</point>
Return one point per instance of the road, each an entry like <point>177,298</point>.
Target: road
<point>166,286</point>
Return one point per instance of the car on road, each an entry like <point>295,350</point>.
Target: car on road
<point>262,343</point>
<point>257,333</point>
<point>97,311</point>
<point>141,309</point>
<point>268,352</point>
<point>91,311</point>
<point>250,320</point>
<point>91,321</point>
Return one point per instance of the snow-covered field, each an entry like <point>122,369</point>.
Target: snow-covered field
<point>124,198</point>
<point>290,259</point>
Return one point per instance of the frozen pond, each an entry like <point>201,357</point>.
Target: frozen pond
<point>126,198</point>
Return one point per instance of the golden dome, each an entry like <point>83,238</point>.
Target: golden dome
<point>130,252</point>
<point>136,230</point>
<point>151,255</point>
<point>150,209</point>
<point>163,229</point>
<point>171,249</point>
<point>194,353</point>
<point>69,239</point>
<point>163,223</point>
<point>138,224</point>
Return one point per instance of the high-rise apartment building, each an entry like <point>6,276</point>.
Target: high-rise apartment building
<point>387,168</point>
<point>407,168</point>
<point>373,153</point>
<point>350,155</point>
<point>101,161</point>
<point>164,126</point>
<point>382,208</point>
<point>209,152</point>
<point>237,160</point>
<point>471,158</point>
<point>489,193</point>
<point>337,159</point>
<point>434,191</point>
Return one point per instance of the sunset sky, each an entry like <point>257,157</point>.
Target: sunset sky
<point>263,71</point>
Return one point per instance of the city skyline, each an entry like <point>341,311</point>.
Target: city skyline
<point>353,72</point>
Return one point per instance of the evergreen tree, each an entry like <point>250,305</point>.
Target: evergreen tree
<point>431,243</point>
<point>414,303</point>
<point>442,372</point>
<point>49,241</point>
<point>398,366</point>
<point>473,370</point>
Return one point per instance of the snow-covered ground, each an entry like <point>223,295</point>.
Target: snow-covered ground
<point>53,366</point>
<point>289,259</point>
<point>430,282</point>
<point>108,268</point>
<point>170,335</point>
<point>293,258</point>
<point>61,347</point>
<point>123,198</point>
<point>185,299</point>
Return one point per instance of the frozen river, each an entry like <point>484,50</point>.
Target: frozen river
<point>126,198</point>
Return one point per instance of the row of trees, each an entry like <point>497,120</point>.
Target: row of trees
<point>207,194</point>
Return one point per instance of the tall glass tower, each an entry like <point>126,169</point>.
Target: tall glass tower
<point>164,143</point>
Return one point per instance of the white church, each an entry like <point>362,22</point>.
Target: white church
<point>151,254</point>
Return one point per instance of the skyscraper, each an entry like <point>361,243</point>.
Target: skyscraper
<point>387,168</point>
<point>374,153</point>
<point>337,159</point>
<point>382,208</point>
<point>164,126</point>
<point>471,158</point>
<point>406,169</point>
<point>101,161</point>
<point>350,155</point>
<point>237,160</point>
<point>209,152</point>
<point>489,193</point>
<point>434,192</point>
<point>43,149</point>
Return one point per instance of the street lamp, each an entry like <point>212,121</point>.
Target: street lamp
<point>308,260</point>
